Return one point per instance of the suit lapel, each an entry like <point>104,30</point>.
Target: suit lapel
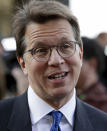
<point>82,122</point>
<point>20,118</point>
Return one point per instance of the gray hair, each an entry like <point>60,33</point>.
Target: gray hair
<point>41,11</point>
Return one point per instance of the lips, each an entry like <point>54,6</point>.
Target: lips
<point>57,76</point>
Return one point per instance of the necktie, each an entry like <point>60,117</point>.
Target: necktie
<point>57,115</point>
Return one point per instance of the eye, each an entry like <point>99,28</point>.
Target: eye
<point>65,46</point>
<point>67,49</point>
<point>41,50</point>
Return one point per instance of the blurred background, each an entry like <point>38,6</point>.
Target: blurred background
<point>90,13</point>
<point>92,19</point>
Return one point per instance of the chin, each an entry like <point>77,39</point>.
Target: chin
<point>61,93</point>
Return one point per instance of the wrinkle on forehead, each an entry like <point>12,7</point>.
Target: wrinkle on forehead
<point>50,33</point>
<point>45,31</point>
<point>39,43</point>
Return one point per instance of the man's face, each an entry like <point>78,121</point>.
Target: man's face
<point>56,78</point>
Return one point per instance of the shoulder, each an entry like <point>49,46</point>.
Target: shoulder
<point>8,107</point>
<point>95,116</point>
<point>7,104</point>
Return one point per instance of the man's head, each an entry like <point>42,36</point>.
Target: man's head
<point>40,12</point>
<point>49,49</point>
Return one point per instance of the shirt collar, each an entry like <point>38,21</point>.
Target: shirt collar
<point>68,109</point>
<point>39,108</point>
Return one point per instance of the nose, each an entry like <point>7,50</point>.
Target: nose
<point>55,59</point>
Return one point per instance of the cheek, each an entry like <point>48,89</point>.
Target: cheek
<point>75,62</point>
<point>37,69</point>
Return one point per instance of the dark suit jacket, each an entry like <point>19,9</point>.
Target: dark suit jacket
<point>14,116</point>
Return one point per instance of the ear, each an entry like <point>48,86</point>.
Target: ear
<point>22,64</point>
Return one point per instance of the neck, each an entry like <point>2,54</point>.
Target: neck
<point>58,102</point>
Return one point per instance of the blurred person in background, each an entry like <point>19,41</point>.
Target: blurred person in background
<point>15,81</point>
<point>21,82</point>
<point>7,81</point>
<point>102,38</point>
<point>89,86</point>
<point>15,78</point>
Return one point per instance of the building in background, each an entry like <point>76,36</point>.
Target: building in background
<point>7,9</point>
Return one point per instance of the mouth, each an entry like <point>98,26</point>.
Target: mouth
<point>58,76</point>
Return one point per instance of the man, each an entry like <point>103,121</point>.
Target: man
<point>49,50</point>
<point>89,86</point>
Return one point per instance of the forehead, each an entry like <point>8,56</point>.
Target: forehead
<point>52,31</point>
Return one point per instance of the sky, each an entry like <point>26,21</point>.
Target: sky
<point>92,16</point>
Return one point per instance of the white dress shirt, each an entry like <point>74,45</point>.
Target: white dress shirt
<point>39,110</point>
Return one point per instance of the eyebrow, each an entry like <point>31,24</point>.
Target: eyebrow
<point>64,39</point>
<point>41,43</point>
